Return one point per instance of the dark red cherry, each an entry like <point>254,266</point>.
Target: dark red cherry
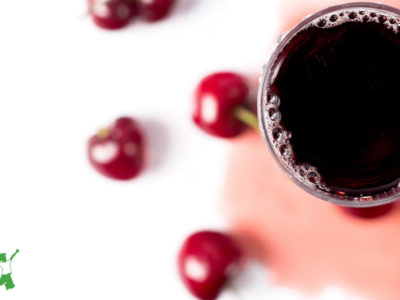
<point>155,10</point>
<point>118,151</point>
<point>206,261</point>
<point>216,97</point>
<point>370,212</point>
<point>112,14</point>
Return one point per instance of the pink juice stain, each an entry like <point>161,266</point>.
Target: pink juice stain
<point>307,243</point>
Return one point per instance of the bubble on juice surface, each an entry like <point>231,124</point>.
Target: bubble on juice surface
<point>275,101</point>
<point>322,23</point>
<point>352,15</point>
<point>274,114</point>
<point>312,177</point>
<point>284,150</point>
<point>382,19</point>
<point>277,134</point>
<point>270,97</point>
<point>333,18</point>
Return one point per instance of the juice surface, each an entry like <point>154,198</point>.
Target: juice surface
<point>338,93</point>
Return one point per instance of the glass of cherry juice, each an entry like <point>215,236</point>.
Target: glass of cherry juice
<point>329,104</point>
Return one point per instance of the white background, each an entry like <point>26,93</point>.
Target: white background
<point>80,235</point>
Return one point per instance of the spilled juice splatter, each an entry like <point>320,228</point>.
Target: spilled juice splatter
<point>309,244</point>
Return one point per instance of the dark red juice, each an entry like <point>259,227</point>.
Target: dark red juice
<point>338,85</point>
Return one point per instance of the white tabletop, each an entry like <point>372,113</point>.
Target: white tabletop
<point>82,236</point>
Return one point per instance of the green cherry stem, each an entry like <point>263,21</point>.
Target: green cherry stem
<point>246,116</point>
<point>88,12</point>
<point>103,133</point>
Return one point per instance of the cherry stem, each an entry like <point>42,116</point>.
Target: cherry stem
<point>103,133</point>
<point>234,290</point>
<point>246,116</point>
<point>88,12</point>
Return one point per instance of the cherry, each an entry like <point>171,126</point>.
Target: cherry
<point>112,14</point>
<point>219,99</point>
<point>370,212</point>
<point>155,10</point>
<point>118,151</point>
<point>206,261</point>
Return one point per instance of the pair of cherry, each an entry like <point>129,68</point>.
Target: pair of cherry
<point>115,14</point>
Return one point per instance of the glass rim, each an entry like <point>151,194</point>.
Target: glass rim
<point>265,79</point>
